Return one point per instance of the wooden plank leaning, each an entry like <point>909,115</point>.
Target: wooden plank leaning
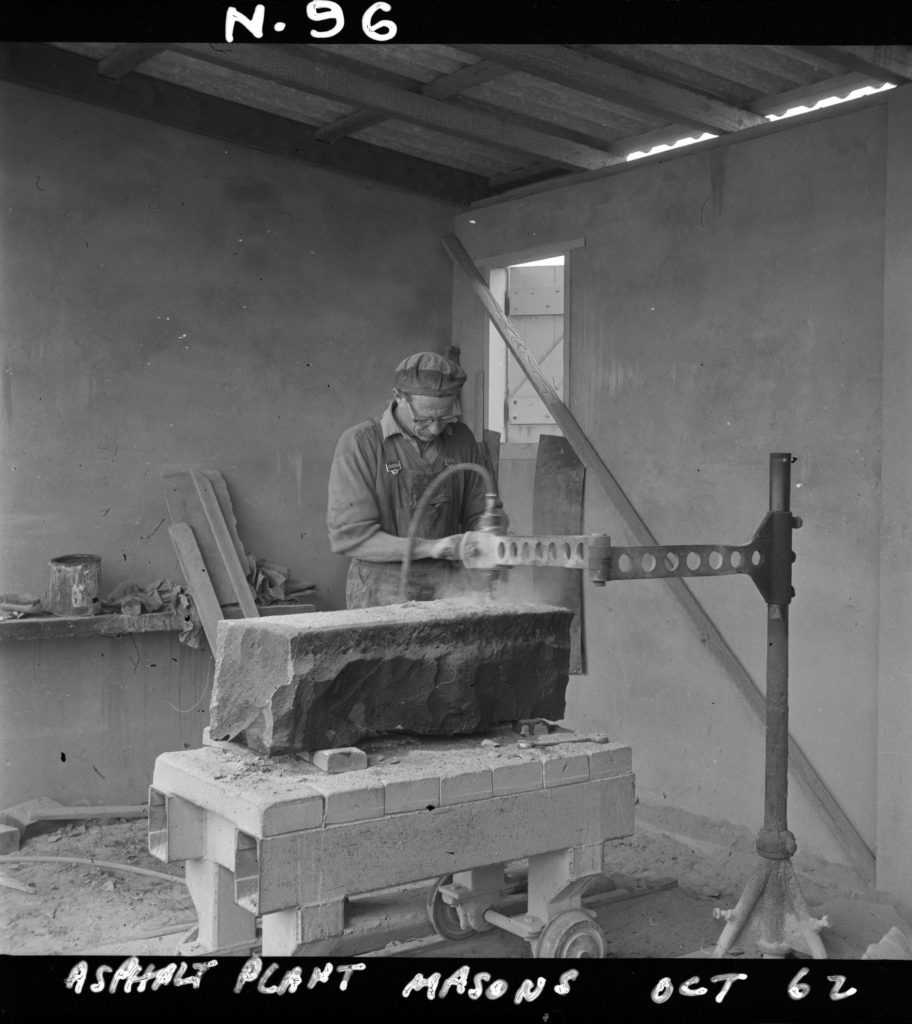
<point>184,506</point>
<point>817,790</point>
<point>226,549</point>
<point>557,507</point>
<point>491,445</point>
<point>197,576</point>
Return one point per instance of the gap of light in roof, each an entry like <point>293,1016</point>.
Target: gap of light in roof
<point>828,101</point>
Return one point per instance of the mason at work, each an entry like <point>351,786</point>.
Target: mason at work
<point>381,469</point>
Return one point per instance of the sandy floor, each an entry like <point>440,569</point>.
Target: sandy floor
<point>667,880</point>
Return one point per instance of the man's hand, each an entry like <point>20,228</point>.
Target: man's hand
<point>446,548</point>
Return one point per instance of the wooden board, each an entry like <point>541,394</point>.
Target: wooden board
<point>557,507</point>
<point>90,813</point>
<point>232,561</point>
<point>198,581</point>
<point>185,506</point>
<point>492,446</point>
<point>57,627</point>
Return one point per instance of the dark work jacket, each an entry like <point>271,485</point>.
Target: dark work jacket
<point>378,481</point>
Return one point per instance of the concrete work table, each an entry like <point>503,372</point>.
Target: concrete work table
<point>279,839</point>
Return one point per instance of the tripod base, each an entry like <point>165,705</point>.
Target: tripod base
<point>773,912</point>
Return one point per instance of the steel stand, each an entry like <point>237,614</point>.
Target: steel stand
<point>772,907</point>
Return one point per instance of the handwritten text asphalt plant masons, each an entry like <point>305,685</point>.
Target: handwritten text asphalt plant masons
<point>130,976</point>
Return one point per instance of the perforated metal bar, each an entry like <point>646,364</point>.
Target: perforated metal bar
<point>489,550</point>
<point>594,552</point>
<point>662,562</point>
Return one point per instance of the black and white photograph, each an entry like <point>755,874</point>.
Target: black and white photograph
<point>455,507</point>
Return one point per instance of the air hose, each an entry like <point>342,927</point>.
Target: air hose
<point>490,520</point>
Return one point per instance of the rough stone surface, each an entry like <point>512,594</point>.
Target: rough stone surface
<point>329,679</point>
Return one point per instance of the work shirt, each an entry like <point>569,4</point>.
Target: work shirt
<point>378,475</point>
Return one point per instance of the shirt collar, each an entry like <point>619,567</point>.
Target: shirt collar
<point>389,425</point>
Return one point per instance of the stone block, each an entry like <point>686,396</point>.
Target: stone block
<point>350,796</point>
<point>430,668</point>
<point>563,769</point>
<point>337,759</point>
<point>397,849</point>
<point>239,786</point>
<point>612,759</point>
<point>405,794</point>
<point>459,788</point>
<point>34,817</point>
<point>517,777</point>
<point>9,839</point>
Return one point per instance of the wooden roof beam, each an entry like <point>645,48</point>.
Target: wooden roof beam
<point>523,176</point>
<point>128,57</point>
<point>883,63</point>
<point>39,66</point>
<point>307,75</point>
<point>597,77</point>
<point>438,89</point>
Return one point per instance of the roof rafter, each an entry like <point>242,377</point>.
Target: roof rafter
<point>597,77</point>
<point>128,57</point>
<point>308,75</point>
<point>887,63</point>
<point>438,89</point>
<point>39,66</point>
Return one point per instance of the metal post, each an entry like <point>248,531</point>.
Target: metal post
<point>774,840</point>
<point>772,907</point>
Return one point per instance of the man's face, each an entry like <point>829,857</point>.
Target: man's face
<point>426,416</point>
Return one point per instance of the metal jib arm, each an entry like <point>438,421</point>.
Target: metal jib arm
<point>766,558</point>
<point>772,906</point>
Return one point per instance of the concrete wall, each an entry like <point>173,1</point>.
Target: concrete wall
<point>894,778</point>
<point>728,303</point>
<point>172,301</point>
<point>84,719</point>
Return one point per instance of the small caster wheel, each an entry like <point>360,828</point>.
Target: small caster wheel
<point>572,935</point>
<point>444,918</point>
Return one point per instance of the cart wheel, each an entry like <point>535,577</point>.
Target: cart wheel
<point>572,935</point>
<point>444,918</point>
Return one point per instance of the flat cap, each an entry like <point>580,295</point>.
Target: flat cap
<point>427,373</point>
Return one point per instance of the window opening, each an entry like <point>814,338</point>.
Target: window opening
<point>532,296</point>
